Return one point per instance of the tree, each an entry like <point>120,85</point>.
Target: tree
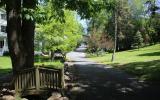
<point>115,34</point>
<point>28,27</point>
<point>20,35</point>
<point>98,27</point>
<point>153,22</point>
<point>21,24</point>
<point>13,9</point>
<point>137,40</point>
<point>57,35</point>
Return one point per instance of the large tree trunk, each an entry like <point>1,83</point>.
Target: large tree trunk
<point>28,27</point>
<point>13,10</point>
<point>20,34</point>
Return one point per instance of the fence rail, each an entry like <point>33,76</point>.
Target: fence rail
<point>34,80</point>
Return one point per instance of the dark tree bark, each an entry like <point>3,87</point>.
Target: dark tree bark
<point>13,10</point>
<point>20,33</point>
<point>28,27</point>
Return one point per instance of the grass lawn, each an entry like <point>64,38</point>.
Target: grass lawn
<point>144,63</point>
<point>5,63</point>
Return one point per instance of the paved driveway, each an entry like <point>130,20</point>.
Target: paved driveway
<point>92,81</point>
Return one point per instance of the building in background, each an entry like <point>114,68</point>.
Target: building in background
<point>3,34</point>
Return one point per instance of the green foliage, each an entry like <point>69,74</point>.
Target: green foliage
<point>54,64</point>
<point>85,8</point>
<point>39,58</point>
<point>104,24</point>
<point>132,17</point>
<point>2,3</point>
<point>152,7</point>
<point>56,35</point>
<point>137,40</point>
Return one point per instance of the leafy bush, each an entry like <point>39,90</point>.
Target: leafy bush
<point>39,58</point>
<point>137,40</point>
<point>54,64</point>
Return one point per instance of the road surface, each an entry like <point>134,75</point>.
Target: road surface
<point>93,81</point>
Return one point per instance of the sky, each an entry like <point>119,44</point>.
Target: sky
<point>158,4</point>
<point>83,22</point>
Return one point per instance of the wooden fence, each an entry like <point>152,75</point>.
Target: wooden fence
<point>38,79</point>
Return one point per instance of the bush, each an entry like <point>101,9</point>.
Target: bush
<point>39,58</point>
<point>54,64</point>
<point>6,53</point>
<point>137,40</point>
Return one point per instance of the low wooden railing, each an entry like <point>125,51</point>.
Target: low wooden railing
<point>34,80</point>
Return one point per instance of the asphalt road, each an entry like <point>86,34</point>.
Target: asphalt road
<point>93,81</point>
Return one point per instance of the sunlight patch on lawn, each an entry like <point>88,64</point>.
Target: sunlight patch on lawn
<point>5,62</point>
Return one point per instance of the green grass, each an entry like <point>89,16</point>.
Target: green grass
<point>46,62</point>
<point>5,63</point>
<point>55,64</point>
<point>144,63</point>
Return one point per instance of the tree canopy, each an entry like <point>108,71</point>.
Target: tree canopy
<point>133,16</point>
<point>22,16</point>
<point>57,35</point>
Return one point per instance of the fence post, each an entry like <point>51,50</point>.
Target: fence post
<point>15,80</point>
<point>37,78</point>
<point>62,78</point>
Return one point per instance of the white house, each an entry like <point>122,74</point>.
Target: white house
<point>3,34</point>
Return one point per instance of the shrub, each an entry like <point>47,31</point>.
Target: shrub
<point>137,40</point>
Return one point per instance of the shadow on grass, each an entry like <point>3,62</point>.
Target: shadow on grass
<point>151,54</point>
<point>144,70</point>
<point>5,71</point>
<point>5,77</point>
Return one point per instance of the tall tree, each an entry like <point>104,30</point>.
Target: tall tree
<point>115,33</point>
<point>66,35</point>
<point>20,33</point>
<point>20,30</point>
<point>13,9</point>
<point>27,40</point>
<point>137,40</point>
<point>154,22</point>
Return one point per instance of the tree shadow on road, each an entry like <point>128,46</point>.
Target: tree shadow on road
<point>98,82</point>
